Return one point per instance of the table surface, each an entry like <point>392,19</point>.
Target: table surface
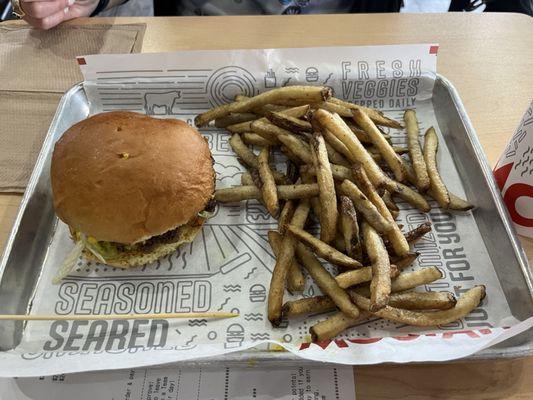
<point>486,56</point>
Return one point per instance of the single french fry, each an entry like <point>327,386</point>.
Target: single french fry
<point>350,228</point>
<point>395,236</point>
<point>419,277</point>
<point>438,188</point>
<point>358,153</point>
<point>335,157</point>
<point>334,324</point>
<point>254,139</point>
<point>247,126</point>
<point>295,277</point>
<point>465,305</point>
<point>285,192</point>
<point>297,94</point>
<point>409,195</point>
<point>326,189</point>
<point>325,281</point>
<point>283,264</point>
<point>289,123</point>
<point>405,261</point>
<point>380,286</point>
<point>234,118</point>
<point>268,189</point>
<point>357,276</point>
<point>263,110</point>
<point>408,280</point>
<point>323,249</point>
<point>243,152</point>
<point>247,180</point>
<point>423,300</point>
<point>286,214</point>
<point>456,203</point>
<point>416,233</point>
<point>393,160</point>
<point>415,151</point>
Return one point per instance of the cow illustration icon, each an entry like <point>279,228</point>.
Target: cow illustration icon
<point>161,103</point>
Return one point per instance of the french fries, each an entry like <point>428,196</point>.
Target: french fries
<point>289,123</point>
<point>268,189</point>
<point>297,147</point>
<point>285,192</point>
<point>408,194</point>
<point>389,202</point>
<point>335,143</point>
<point>456,203</point>
<point>234,118</point>
<point>357,276</point>
<point>408,300</point>
<point>325,282</point>
<point>297,94</point>
<point>398,241</point>
<point>416,278</point>
<point>334,325</point>
<point>465,304</point>
<point>380,286</point>
<point>283,264</point>
<point>326,189</point>
<point>323,249</point>
<point>365,207</point>
<point>286,214</point>
<point>243,152</point>
<point>246,126</point>
<point>254,139</point>
<point>415,151</point>
<point>335,157</point>
<point>405,261</point>
<point>350,228</point>
<point>375,115</point>
<point>340,181</point>
<point>339,322</point>
<point>416,233</point>
<point>438,188</point>
<point>394,161</point>
<point>295,277</point>
<point>423,300</point>
<point>358,153</point>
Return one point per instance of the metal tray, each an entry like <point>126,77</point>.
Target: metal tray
<point>28,243</point>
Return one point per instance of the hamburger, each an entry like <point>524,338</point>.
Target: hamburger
<point>131,188</point>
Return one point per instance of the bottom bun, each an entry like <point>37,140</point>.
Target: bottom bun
<point>135,259</point>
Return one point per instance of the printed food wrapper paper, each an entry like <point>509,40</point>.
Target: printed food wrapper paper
<point>514,175</point>
<point>228,266</point>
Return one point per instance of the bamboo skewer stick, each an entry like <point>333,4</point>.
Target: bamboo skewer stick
<point>94,317</point>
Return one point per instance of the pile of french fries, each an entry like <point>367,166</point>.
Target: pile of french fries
<point>344,170</point>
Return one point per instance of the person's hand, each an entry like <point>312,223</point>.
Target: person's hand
<point>45,14</point>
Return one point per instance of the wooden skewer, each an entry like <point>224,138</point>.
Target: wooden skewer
<point>91,317</point>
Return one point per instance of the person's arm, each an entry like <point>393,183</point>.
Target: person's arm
<point>45,14</point>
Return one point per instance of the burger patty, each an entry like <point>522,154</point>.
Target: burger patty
<point>110,250</point>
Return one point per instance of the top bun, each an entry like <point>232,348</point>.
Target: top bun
<point>124,177</point>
